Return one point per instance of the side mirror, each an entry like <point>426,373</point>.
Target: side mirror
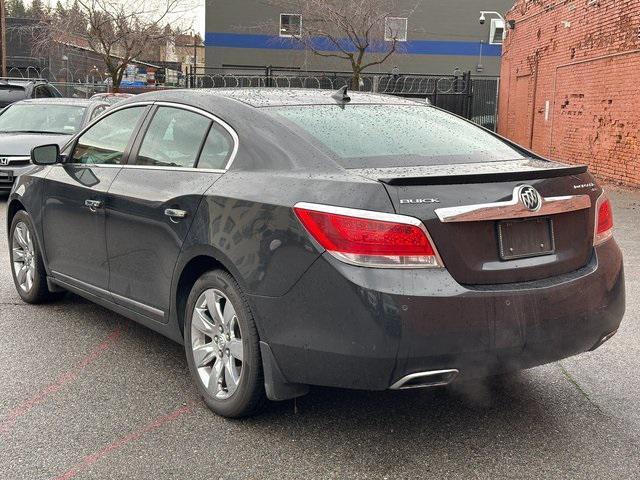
<point>45,155</point>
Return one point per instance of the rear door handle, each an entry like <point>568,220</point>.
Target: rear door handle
<point>93,204</point>
<point>175,214</point>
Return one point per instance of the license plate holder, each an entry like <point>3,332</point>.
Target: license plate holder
<point>6,174</point>
<point>531,237</point>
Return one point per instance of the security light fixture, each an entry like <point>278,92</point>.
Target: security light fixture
<point>498,26</point>
<point>511,24</point>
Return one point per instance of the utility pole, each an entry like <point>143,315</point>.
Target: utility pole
<point>3,40</point>
<point>195,58</point>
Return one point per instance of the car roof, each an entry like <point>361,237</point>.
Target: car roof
<point>274,97</point>
<point>112,94</point>
<point>79,102</point>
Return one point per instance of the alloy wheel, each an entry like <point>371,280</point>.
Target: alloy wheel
<point>23,257</point>
<point>216,344</point>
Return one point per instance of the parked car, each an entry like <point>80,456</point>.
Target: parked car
<point>28,123</point>
<point>111,98</point>
<point>297,237</point>
<point>15,89</point>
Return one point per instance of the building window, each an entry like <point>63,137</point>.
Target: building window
<point>290,25</point>
<point>395,28</point>
<point>496,35</point>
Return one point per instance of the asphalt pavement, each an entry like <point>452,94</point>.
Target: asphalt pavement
<point>88,394</point>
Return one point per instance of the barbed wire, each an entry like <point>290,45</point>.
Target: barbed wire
<point>395,84</point>
<point>390,84</point>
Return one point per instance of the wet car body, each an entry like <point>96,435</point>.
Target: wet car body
<point>15,147</point>
<point>321,319</point>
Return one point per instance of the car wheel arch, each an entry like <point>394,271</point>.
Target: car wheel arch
<point>14,207</point>
<point>191,266</point>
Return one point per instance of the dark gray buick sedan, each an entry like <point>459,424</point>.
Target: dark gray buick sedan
<point>291,238</point>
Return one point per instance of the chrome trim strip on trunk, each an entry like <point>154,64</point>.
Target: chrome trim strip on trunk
<point>513,208</point>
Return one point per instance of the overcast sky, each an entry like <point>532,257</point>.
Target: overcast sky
<point>196,18</point>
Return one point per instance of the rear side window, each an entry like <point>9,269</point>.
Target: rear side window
<point>217,149</point>
<point>173,139</point>
<point>106,141</point>
<point>361,136</point>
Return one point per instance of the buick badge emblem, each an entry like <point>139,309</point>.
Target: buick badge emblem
<point>4,161</point>
<point>530,198</point>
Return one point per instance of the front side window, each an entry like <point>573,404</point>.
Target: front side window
<point>173,139</point>
<point>217,149</point>
<point>106,141</point>
<point>395,28</point>
<point>290,25</point>
<point>361,136</point>
<point>30,118</point>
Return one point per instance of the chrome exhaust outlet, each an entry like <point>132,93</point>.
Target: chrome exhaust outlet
<point>599,343</point>
<point>434,378</point>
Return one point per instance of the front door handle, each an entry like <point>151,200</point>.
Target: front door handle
<point>93,205</point>
<point>174,214</point>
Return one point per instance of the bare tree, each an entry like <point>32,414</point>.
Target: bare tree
<point>119,31</point>
<point>356,30</point>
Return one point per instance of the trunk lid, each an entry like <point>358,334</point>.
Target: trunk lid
<point>465,206</point>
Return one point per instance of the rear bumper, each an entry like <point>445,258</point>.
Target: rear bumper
<point>353,327</point>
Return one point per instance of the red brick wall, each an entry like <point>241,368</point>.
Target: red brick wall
<point>570,83</point>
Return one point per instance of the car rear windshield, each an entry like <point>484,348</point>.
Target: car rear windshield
<point>366,136</point>
<point>10,94</point>
<point>41,118</point>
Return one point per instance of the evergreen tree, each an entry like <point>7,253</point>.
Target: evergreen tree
<point>36,10</point>
<point>60,11</point>
<point>16,8</point>
<point>77,19</point>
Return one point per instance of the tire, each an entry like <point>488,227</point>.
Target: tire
<point>225,364</point>
<point>27,266</point>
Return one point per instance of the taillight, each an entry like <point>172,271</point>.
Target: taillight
<point>604,220</point>
<point>370,239</point>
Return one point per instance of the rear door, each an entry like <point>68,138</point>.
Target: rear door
<point>75,196</point>
<point>182,152</point>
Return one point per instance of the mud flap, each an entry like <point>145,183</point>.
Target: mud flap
<point>275,384</point>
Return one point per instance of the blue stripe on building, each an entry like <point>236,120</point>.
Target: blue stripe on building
<point>411,47</point>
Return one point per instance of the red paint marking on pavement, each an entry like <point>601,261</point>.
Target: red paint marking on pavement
<point>121,442</point>
<point>64,379</point>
